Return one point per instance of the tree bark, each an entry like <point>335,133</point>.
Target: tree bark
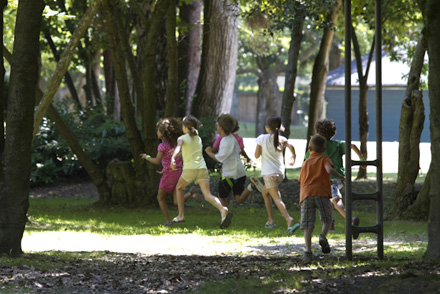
<point>63,64</point>
<point>291,73</point>
<point>172,86</point>
<point>133,134</point>
<point>219,58</point>
<point>3,4</point>
<point>14,195</point>
<point>189,55</point>
<point>431,18</point>
<point>320,71</point>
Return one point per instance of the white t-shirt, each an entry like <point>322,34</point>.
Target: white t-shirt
<point>192,152</point>
<point>229,155</point>
<point>272,160</point>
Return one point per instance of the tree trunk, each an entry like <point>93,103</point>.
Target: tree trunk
<point>410,128</point>
<point>320,71</point>
<point>14,195</point>
<point>133,134</point>
<point>420,209</point>
<point>110,83</point>
<point>172,86</point>
<point>431,17</point>
<point>63,64</point>
<point>67,78</point>
<point>219,58</point>
<point>189,55</point>
<point>291,73</point>
<point>3,4</point>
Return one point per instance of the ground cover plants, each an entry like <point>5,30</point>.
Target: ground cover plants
<point>74,247</point>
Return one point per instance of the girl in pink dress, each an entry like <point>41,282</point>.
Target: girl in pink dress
<point>168,130</point>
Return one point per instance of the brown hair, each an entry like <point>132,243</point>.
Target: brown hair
<point>317,143</point>
<point>192,124</point>
<point>274,124</point>
<point>326,128</point>
<point>171,129</point>
<point>227,122</point>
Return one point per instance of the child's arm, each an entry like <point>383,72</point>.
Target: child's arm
<point>154,160</point>
<point>329,168</point>
<point>245,155</point>
<point>292,150</point>
<point>359,153</point>
<point>210,152</point>
<point>175,153</point>
<point>258,151</point>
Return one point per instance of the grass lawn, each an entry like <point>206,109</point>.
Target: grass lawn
<point>73,246</point>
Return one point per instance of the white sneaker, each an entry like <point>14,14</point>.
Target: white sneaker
<point>257,184</point>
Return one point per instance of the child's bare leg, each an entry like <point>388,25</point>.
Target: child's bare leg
<point>161,194</point>
<point>243,196</point>
<point>225,201</point>
<point>268,204</point>
<point>339,205</point>
<point>325,228</point>
<point>308,239</point>
<point>276,196</point>
<point>181,184</point>
<point>204,186</point>
<point>186,196</point>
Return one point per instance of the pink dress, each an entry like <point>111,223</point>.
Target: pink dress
<point>170,177</point>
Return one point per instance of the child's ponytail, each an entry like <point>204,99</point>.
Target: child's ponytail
<point>191,123</point>
<point>274,124</point>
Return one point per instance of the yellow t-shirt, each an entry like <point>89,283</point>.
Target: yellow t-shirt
<point>192,152</point>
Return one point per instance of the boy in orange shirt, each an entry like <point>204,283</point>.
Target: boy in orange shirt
<point>315,194</point>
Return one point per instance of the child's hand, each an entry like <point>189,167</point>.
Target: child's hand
<point>208,149</point>
<point>144,156</point>
<point>292,161</point>
<point>173,165</point>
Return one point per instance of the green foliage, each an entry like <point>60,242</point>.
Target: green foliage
<point>103,139</point>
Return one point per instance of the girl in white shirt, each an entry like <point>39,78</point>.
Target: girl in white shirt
<point>270,147</point>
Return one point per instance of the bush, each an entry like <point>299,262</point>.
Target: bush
<point>103,139</point>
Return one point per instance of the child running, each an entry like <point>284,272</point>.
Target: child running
<point>335,150</point>
<point>315,194</point>
<point>239,139</point>
<point>233,171</point>
<point>168,130</point>
<point>270,147</point>
<point>194,170</point>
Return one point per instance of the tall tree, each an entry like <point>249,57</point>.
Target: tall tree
<point>3,4</point>
<point>14,177</point>
<point>190,32</point>
<point>219,58</point>
<point>431,19</point>
<point>320,70</point>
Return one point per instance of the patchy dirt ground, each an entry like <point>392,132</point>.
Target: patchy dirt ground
<point>188,271</point>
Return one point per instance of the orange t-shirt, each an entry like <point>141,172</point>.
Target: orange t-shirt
<point>314,178</point>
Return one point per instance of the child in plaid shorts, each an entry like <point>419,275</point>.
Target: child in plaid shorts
<point>315,193</point>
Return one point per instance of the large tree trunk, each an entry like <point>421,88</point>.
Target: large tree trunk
<point>3,4</point>
<point>431,17</point>
<point>172,86</point>
<point>63,64</point>
<point>189,55</point>
<point>110,83</point>
<point>291,73</point>
<point>14,178</point>
<point>410,128</point>
<point>219,58</point>
<point>320,71</point>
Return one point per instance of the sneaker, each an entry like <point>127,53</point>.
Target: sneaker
<point>308,256</point>
<point>325,247</point>
<point>332,226</point>
<point>256,184</point>
<point>355,223</point>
